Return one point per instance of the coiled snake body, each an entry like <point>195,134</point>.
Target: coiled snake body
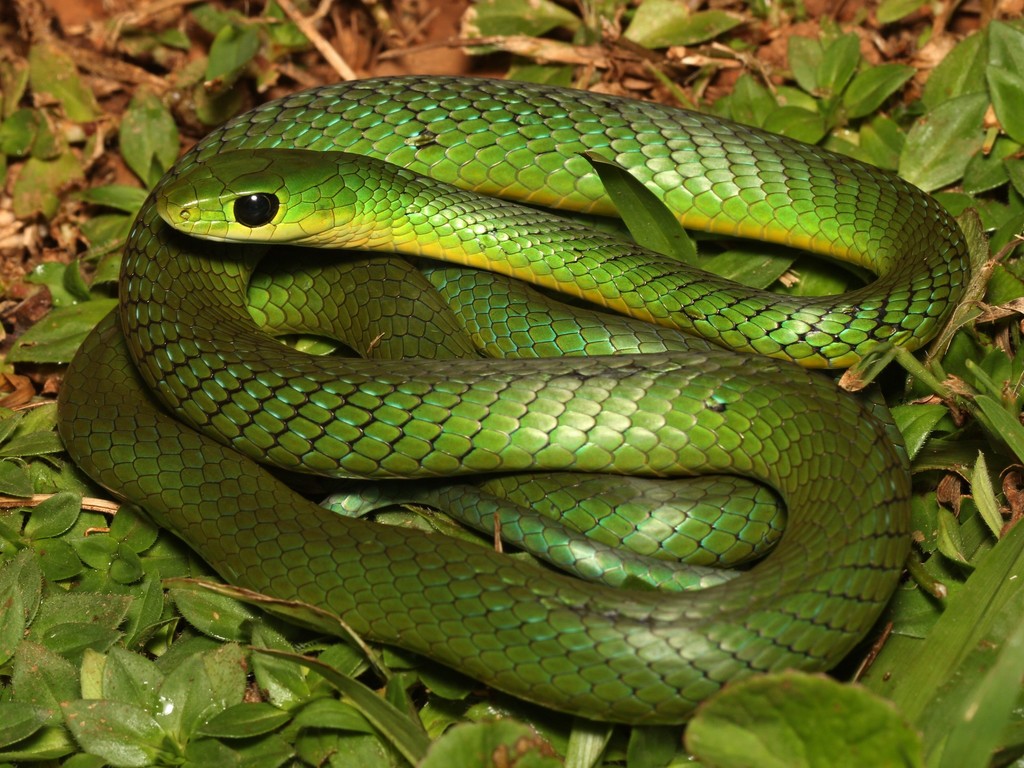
<point>171,403</point>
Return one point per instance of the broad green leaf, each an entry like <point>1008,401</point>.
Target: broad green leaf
<point>839,63</point>
<point>58,559</point>
<point>14,478</point>
<point>32,444</point>
<point>40,183</point>
<point>911,674</point>
<point>333,714</point>
<point>130,678</point>
<point>478,744</point>
<point>916,422</point>
<point>893,10</point>
<point>873,86</point>
<point>283,679</point>
<point>43,679</point>
<point>241,721</point>
<point>125,736</point>
<point>756,266</point>
<point>650,222</point>
<point>120,196</point>
<point>53,516</point>
<point>960,73</point>
<point>18,721</point>
<point>974,733</point>
<point>53,73</point>
<point>797,123</point>
<point>882,140</point>
<point>795,720</point>
<point>985,496</point>
<point>988,170</point>
<point>1007,89</point>
<point>664,23</point>
<point>48,743</point>
<point>1006,46</point>
<point>233,47</point>
<point>404,734</point>
<point>19,131</point>
<point>215,615</point>
<point>940,144</point>
<point>805,55</point>
<point>56,337</point>
<point>653,746</point>
<point>149,137</point>
<point>516,17</point>
<point>1002,424</point>
<point>950,541</point>
<point>750,102</point>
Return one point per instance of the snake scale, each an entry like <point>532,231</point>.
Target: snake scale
<point>172,402</point>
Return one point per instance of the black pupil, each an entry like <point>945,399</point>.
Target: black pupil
<point>257,209</point>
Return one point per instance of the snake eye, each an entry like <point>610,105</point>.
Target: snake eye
<point>256,209</point>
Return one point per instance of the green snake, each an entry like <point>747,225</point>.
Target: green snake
<point>172,403</point>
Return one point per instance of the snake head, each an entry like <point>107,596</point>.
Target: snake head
<point>265,196</point>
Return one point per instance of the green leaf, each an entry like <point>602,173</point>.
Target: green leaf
<point>985,496</point>
<point>797,123</point>
<point>1006,46</point>
<point>975,722</point>
<point>119,196</point>
<point>792,720</point>
<point>56,337</point>
<point>43,679</point>
<point>40,183</point>
<point>873,86</point>
<point>46,744</point>
<point>1006,88</point>
<point>477,744</point>
<point>894,10</point>
<point>653,746</point>
<point>533,18</point>
<point>988,170</point>
<point>214,615</point>
<point>916,422</point>
<point>961,72</point>
<point>129,678</point>
<point>912,674</point>
<point>149,137</point>
<point>839,63</point>
<point>282,678</point>
<point>52,73</point>
<point>241,721</point>
<point>757,266</point>
<point>664,23</point>
<point>333,714</point>
<point>19,131</point>
<point>404,734</point>
<point>940,144</point>
<point>232,49</point>
<point>649,221</point>
<point>950,541</point>
<point>32,444</point>
<point>19,720</point>
<point>14,478</point>
<point>805,55</point>
<point>125,736</point>
<point>1001,424</point>
<point>750,102</point>
<point>53,516</point>
<point>199,687</point>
